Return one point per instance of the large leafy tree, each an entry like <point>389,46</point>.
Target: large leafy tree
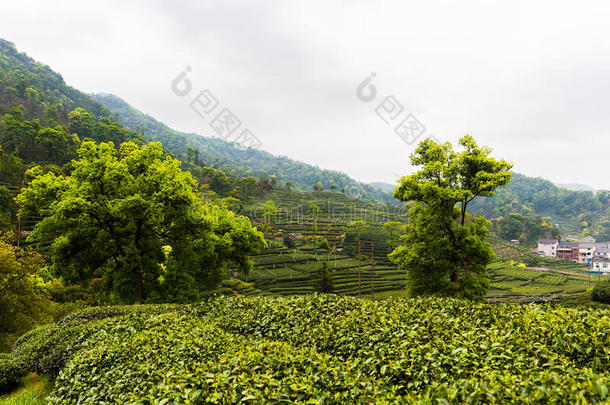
<point>444,250</point>
<point>134,219</point>
<point>22,302</point>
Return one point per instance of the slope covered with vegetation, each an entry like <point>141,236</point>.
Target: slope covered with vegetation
<point>235,160</point>
<point>578,212</point>
<point>321,349</point>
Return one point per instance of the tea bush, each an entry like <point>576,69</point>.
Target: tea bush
<point>601,292</point>
<point>321,349</point>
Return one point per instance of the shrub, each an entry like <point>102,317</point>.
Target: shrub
<point>321,349</point>
<point>601,292</point>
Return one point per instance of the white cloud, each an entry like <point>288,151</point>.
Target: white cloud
<point>527,78</point>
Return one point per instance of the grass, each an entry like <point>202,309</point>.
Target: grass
<point>33,391</point>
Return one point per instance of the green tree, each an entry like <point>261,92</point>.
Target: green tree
<point>444,251</point>
<point>269,210</point>
<point>319,186</point>
<point>314,210</point>
<point>115,215</point>
<point>23,303</point>
<point>324,283</point>
<point>393,232</point>
<point>57,144</point>
<point>80,122</point>
<point>289,241</point>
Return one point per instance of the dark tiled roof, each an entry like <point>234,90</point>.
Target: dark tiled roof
<point>568,245</point>
<point>548,241</point>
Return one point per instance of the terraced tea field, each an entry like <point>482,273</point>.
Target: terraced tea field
<point>283,271</point>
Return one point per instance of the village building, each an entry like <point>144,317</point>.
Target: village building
<point>603,250</point>
<point>548,247</point>
<point>585,252</point>
<point>568,251</point>
<point>601,265</point>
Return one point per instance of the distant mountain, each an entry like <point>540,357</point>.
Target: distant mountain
<point>233,159</point>
<point>45,97</point>
<point>47,102</point>
<point>576,187</point>
<point>386,187</point>
<point>578,212</point>
<point>41,91</point>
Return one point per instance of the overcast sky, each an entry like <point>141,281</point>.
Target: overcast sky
<point>530,79</point>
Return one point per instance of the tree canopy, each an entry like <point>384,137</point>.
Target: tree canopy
<point>444,251</point>
<point>132,218</point>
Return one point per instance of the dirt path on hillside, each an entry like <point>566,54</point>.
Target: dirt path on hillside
<point>567,273</point>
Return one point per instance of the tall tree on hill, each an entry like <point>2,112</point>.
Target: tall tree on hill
<point>444,251</point>
<point>314,210</point>
<point>117,215</point>
<point>324,283</point>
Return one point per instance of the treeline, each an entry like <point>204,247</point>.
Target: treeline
<point>538,200</point>
<point>42,92</point>
<point>236,161</point>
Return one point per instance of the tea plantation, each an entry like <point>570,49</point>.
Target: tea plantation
<point>320,349</point>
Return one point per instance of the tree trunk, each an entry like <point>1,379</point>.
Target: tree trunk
<point>139,286</point>
<point>464,203</point>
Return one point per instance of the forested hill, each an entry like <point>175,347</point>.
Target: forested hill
<point>47,101</point>
<point>578,212</point>
<point>43,92</point>
<point>40,113</point>
<point>234,160</point>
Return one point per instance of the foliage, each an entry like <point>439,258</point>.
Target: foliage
<point>324,349</point>
<point>113,215</point>
<point>314,211</point>
<point>47,349</point>
<point>601,292</point>
<point>441,252</point>
<point>393,230</point>
<point>526,228</point>
<point>23,301</point>
<point>236,161</point>
<point>535,198</point>
<point>289,241</point>
<point>33,391</point>
<point>325,279</point>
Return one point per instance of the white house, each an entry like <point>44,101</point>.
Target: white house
<point>548,247</point>
<point>601,250</point>
<point>601,264</point>
<point>585,252</point>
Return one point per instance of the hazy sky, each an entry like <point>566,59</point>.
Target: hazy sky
<point>530,79</point>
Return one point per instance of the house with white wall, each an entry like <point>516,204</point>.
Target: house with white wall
<point>601,265</point>
<point>601,250</point>
<point>585,253</point>
<point>548,247</point>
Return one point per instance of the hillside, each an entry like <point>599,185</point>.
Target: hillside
<point>292,266</point>
<point>43,92</point>
<point>576,187</point>
<point>48,102</point>
<point>47,98</point>
<point>234,159</point>
<point>577,212</point>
